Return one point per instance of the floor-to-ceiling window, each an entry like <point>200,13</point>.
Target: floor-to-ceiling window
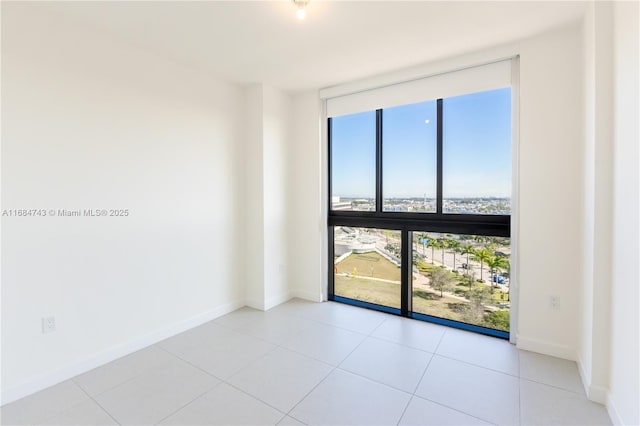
<point>420,206</point>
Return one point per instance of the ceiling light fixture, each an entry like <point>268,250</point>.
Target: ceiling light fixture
<point>301,5</point>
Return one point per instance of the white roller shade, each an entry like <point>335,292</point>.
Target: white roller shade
<point>477,79</point>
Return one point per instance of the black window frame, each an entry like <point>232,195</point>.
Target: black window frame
<point>407,223</point>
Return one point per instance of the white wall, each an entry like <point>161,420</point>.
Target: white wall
<point>585,338</point>
<point>550,192</point>
<point>277,125</point>
<point>594,343</point>
<point>624,396</point>
<point>91,124</point>
<point>266,155</point>
<point>608,352</point>
<point>253,234</point>
<point>306,225</point>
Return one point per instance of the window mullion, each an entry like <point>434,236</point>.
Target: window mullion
<point>439,158</point>
<point>406,271</point>
<point>379,161</point>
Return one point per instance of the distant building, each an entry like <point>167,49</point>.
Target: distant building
<point>336,204</point>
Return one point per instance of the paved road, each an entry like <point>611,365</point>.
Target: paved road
<point>449,258</point>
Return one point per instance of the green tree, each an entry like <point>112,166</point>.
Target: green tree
<point>495,264</point>
<point>444,243</point>
<point>482,255</point>
<point>441,280</point>
<point>467,249</point>
<point>478,296</point>
<point>469,280</point>
<point>423,238</point>
<point>507,267</point>
<point>454,245</point>
<point>434,244</point>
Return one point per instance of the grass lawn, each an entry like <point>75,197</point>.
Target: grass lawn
<point>382,293</point>
<point>370,264</point>
<point>425,300</point>
<point>429,303</point>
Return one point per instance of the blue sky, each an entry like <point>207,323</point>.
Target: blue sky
<point>476,155</point>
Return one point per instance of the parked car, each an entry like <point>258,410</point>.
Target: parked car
<point>498,279</point>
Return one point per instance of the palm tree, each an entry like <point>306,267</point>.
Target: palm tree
<point>495,263</point>
<point>507,267</point>
<point>444,243</point>
<point>482,255</point>
<point>467,249</point>
<point>434,244</point>
<point>454,245</point>
<point>423,237</point>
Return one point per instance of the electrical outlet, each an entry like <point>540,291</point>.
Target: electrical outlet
<point>554,303</point>
<point>48,325</point>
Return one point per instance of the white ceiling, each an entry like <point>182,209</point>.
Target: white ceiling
<point>339,41</point>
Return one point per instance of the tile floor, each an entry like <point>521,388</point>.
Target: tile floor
<point>319,364</point>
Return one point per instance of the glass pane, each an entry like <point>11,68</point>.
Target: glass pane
<point>353,162</point>
<point>477,153</point>
<point>462,277</point>
<point>409,135</point>
<point>367,265</point>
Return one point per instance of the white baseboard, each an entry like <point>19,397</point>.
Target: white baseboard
<point>595,393</point>
<point>272,302</point>
<point>110,354</point>
<point>547,348</point>
<point>598,394</point>
<point>255,304</point>
<point>307,295</point>
<point>583,375</point>
<point>276,300</point>
<point>613,412</point>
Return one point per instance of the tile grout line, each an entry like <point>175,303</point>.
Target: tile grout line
<point>192,365</point>
<point>455,409</point>
<point>406,407</point>
<point>476,365</point>
<point>582,394</point>
<point>256,398</point>
<point>276,346</point>
<point>135,376</point>
<point>225,381</point>
<point>187,404</point>
<point>414,395</point>
<point>349,372</point>
<point>375,380</point>
<point>428,364</point>
<point>334,368</point>
<point>519,391</point>
<point>97,403</point>
<point>199,395</point>
<point>220,380</point>
<point>309,393</point>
